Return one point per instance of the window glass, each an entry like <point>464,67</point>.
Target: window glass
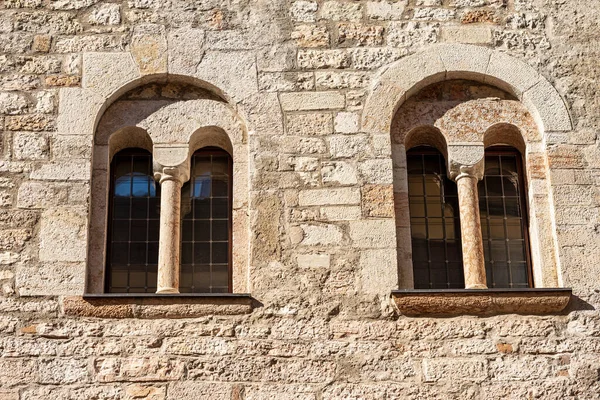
<point>132,256</point>
<point>503,220</point>
<point>206,224</point>
<point>435,223</point>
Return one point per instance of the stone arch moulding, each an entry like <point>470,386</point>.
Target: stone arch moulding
<point>407,76</point>
<point>106,78</point>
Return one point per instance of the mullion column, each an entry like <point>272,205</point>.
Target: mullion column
<point>466,166</point>
<point>171,178</point>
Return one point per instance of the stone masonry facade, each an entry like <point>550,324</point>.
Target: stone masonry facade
<point>317,102</point>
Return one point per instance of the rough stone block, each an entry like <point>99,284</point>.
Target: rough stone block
<point>236,77</point>
<point>378,271</point>
<point>50,279</point>
<point>149,49</point>
<point>77,111</point>
<point>185,49</point>
<point>30,146</point>
<point>479,34</point>
<point>104,73</point>
<point>319,197</point>
<point>314,260</point>
<point>338,172</point>
<point>63,171</point>
<point>303,101</point>
<point>374,233</point>
<point>340,213</point>
<point>63,235</point>
<point>313,124</point>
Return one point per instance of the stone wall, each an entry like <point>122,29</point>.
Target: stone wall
<point>315,85</point>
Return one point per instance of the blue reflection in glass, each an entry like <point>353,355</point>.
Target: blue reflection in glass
<point>135,184</point>
<point>202,186</point>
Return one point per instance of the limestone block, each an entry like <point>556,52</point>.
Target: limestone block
<point>547,107</point>
<point>475,34</point>
<point>104,73</point>
<point>50,279</point>
<point>13,103</point>
<point>30,146</point>
<point>339,172</point>
<point>378,271</point>
<point>145,392</point>
<point>142,369</point>
<point>17,371</point>
<point>30,122</point>
<point>45,101</point>
<point>34,194</point>
<point>338,11</point>
<point>303,101</point>
<point>340,213</point>
<point>285,81</point>
<point>341,80</point>
<point>345,146</point>
<point>77,111</point>
<point>351,35</point>
<point>106,14</point>
<point>510,73</point>
<point>185,49</point>
<point>333,196</point>
<point>381,106</point>
<point>314,260</point>
<point>372,58</point>
<point>262,114</point>
<point>191,390</point>
<point>149,49</point>
<point>235,74</point>
<point>320,59</point>
<point>75,170</point>
<point>313,124</point>
<point>464,62</point>
<point>63,234</point>
<point>378,201</point>
<point>63,371</point>
<point>376,171</point>
<point>304,11</point>
<point>373,233</point>
<point>384,10</point>
<point>310,36</point>
<point>435,370</point>
<point>346,122</point>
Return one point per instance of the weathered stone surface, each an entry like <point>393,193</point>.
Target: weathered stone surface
<point>317,102</point>
<point>63,235</point>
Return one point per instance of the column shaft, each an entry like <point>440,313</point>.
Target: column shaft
<point>470,228</point>
<point>169,246</point>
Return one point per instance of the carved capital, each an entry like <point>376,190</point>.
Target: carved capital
<point>180,173</point>
<point>465,160</point>
<point>171,162</point>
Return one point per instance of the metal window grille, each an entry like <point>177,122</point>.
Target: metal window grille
<point>434,221</point>
<point>134,210</point>
<point>206,224</point>
<point>503,210</point>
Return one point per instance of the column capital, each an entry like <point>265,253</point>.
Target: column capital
<point>466,160</point>
<point>179,173</point>
<point>171,162</point>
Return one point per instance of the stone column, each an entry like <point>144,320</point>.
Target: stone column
<point>171,178</point>
<point>466,168</point>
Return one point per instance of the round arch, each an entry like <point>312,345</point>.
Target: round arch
<point>407,76</point>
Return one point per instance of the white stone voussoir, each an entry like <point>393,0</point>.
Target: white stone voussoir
<point>453,61</point>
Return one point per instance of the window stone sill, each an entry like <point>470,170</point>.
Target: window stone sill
<point>450,302</point>
<point>150,306</point>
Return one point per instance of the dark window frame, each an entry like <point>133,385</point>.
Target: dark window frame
<point>127,152</point>
<point>511,151</point>
<point>216,151</point>
<point>422,151</point>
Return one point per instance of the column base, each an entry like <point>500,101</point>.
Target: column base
<point>167,290</point>
<point>476,286</point>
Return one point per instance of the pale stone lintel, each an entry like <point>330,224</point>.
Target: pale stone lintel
<point>77,111</point>
<point>481,302</point>
<point>152,306</point>
<point>475,34</point>
<point>466,159</point>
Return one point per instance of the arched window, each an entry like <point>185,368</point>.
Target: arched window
<point>434,221</point>
<point>206,223</point>
<point>503,210</point>
<point>134,208</point>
